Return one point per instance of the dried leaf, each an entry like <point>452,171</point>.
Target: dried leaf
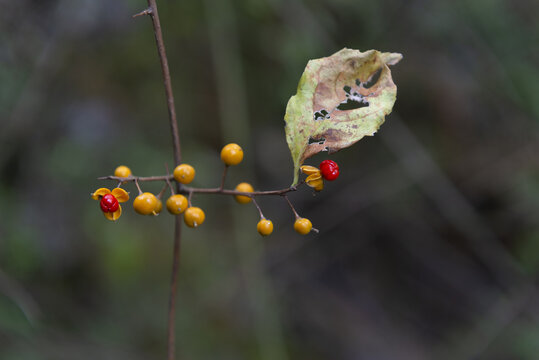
<point>339,100</point>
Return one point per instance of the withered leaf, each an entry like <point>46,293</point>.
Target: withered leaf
<point>340,99</point>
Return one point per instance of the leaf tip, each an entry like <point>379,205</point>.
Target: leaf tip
<point>391,58</point>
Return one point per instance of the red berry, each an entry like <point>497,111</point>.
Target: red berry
<point>329,170</point>
<point>109,203</point>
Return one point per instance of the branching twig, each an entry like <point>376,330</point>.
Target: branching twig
<point>292,207</point>
<point>219,191</point>
<point>189,198</point>
<point>187,189</point>
<point>138,187</point>
<point>258,208</point>
<point>147,11</point>
<point>153,13</point>
<point>172,192</point>
<point>223,177</point>
<point>296,213</point>
<point>160,195</point>
<point>137,178</point>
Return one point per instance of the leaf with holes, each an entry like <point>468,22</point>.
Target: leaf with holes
<point>340,99</point>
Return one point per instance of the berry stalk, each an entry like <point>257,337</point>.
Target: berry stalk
<point>154,15</point>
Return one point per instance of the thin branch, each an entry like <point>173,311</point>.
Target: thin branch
<point>154,14</point>
<point>189,198</point>
<point>147,11</point>
<point>172,192</point>
<point>188,189</point>
<point>219,191</point>
<point>223,177</point>
<point>258,207</point>
<point>160,195</point>
<point>291,207</point>
<point>138,187</point>
<point>173,287</point>
<point>170,187</point>
<point>137,178</point>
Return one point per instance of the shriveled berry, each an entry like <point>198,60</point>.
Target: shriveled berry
<point>145,203</point>
<point>315,181</point>
<point>176,204</point>
<point>194,216</point>
<point>184,173</point>
<point>303,226</point>
<point>264,227</point>
<point>122,171</point>
<point>329,170</point>
<point>109,203</point>
<point>244,187</point>
<point>232,154</point>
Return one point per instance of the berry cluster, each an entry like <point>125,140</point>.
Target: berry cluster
<point>147,203</point>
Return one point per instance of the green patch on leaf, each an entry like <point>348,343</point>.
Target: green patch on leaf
<point>340,99</point>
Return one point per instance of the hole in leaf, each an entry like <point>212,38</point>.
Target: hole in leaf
<point>352,103</point>
<point>373,79</point>
<point>316,141</point>
<point>321,115</point>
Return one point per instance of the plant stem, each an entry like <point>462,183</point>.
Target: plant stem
<point>223,177</point>
<point>138,187</point>
<point>258,208</point>
<point>292,207</point>
<point>154,14</point>
<point>137,178</point>
<point>173,287</point>
<point>219,191</point>
<point>188,190</point>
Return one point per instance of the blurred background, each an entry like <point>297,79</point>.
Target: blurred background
<point>429,241</point>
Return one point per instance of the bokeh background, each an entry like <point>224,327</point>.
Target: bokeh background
<point>429,241</point>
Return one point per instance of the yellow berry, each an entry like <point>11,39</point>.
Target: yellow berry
<point>184,173</point>
<point>122,171</point>
<point>158,207</point>
<point>176,204</point>
<point>244,187</point>
<point>232,154</point>
<point>194,216</point>
<point>264,227</point>
<point>303,226</point>
<point>145,203</point>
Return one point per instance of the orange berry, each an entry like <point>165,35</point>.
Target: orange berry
<point>122,171</point>
<point>244,187</point>
<point>232,154</point>
<point>176,204</point>
<point>264,227</point>
<point>194,217</point>
<point>184,173</point>
<point>145,203</point>
<point>303,226</point>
